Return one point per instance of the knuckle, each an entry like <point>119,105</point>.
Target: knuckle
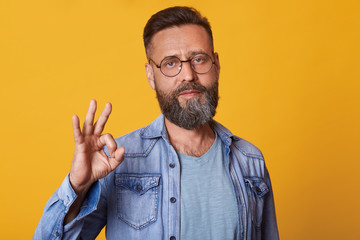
<point>108,135</point>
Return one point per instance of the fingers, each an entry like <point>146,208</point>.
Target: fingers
<point>117,159</point>
<point>89,119</point>
<point>116,154</point>
<point>76,128</point>
<point>100,124</point>
<point>109,141</point>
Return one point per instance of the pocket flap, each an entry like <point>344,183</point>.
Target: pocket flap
<point>257,185</point>
<point>137,183</point>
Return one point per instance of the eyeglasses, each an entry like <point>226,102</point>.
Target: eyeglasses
<point>171,66</point>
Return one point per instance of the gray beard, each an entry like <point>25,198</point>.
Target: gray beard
<point>196,112</point>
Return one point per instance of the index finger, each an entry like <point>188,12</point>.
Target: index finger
<point>104,116</point>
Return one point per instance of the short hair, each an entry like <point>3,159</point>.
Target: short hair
<point>174,16</point>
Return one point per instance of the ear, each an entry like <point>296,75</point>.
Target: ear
<point>217,63</point>
<point>150,75</point>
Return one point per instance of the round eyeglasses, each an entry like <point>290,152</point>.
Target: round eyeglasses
<point>171,66</point>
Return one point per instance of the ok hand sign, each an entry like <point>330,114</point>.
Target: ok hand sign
<point>90,162</point>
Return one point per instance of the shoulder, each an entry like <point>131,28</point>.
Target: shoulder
<point>244,154</point>
<point>135,144</point>
<point>236,143</point>
<point>139,143</point>
<point>246,148</point>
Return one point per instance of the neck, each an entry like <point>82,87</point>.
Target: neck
<point>195,142</point>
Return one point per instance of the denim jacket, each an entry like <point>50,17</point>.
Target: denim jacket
<point>140,199</point>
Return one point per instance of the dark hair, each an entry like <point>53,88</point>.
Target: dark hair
<point>174,16</point>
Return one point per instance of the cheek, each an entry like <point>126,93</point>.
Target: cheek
<point>208,81</point>
<point>165,84</point>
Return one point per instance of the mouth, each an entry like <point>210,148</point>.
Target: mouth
<point>189,93</point>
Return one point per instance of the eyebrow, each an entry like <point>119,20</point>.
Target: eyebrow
<point>190,54</point>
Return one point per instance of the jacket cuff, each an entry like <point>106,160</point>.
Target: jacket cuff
<point>67,195</point>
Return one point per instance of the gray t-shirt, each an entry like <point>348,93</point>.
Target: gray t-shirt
<point>208,202</point>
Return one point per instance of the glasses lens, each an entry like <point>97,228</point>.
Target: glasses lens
<point>201,63</point>
<point>170,66</point>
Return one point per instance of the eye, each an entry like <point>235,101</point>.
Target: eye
<point>199,59</point>
<point>170,62</point>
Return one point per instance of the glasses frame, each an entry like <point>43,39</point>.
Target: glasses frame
<point>181,64</point>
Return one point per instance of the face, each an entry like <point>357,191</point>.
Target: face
<point>188,99</point>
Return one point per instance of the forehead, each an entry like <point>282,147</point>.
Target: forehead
<point>181,41</point>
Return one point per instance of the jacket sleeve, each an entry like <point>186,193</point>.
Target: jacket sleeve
<point>51,223</point>
<point>269,224</point>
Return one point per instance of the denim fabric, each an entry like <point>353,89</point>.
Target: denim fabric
<point>134,190</point>
<point>141,198</point>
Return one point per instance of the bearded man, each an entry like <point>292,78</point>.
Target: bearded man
<point>184,176</point>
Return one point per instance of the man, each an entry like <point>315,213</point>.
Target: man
<point>184,176</point>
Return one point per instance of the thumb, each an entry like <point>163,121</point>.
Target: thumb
<point>117,158</point>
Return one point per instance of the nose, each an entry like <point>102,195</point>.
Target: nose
<point>187,73</point>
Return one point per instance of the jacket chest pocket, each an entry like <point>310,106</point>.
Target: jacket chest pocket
<point>256,190</point>
<point>137,197</point>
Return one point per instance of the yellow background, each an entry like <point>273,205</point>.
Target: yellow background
<point>289,84</point>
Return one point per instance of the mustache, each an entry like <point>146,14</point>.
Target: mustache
<point>189,86</point>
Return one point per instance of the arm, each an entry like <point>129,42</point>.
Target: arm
<point>51,225</point>
<point>90,163</point>
<point>269,224</point>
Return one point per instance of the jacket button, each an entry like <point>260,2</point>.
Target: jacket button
<point>172,165</point>
<point>173,200</point>
<point>172,238</point>
<point>139,187</point>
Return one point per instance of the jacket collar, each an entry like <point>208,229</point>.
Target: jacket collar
<point>157,129</point>
<point>225,135</point>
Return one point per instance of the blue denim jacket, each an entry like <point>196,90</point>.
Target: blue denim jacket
<point>141,198</point>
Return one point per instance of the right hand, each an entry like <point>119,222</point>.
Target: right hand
<point>90,163</point>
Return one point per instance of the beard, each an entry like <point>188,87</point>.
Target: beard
<point>196,111</point>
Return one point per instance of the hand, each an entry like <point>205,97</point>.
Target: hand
<point>90,162</point>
